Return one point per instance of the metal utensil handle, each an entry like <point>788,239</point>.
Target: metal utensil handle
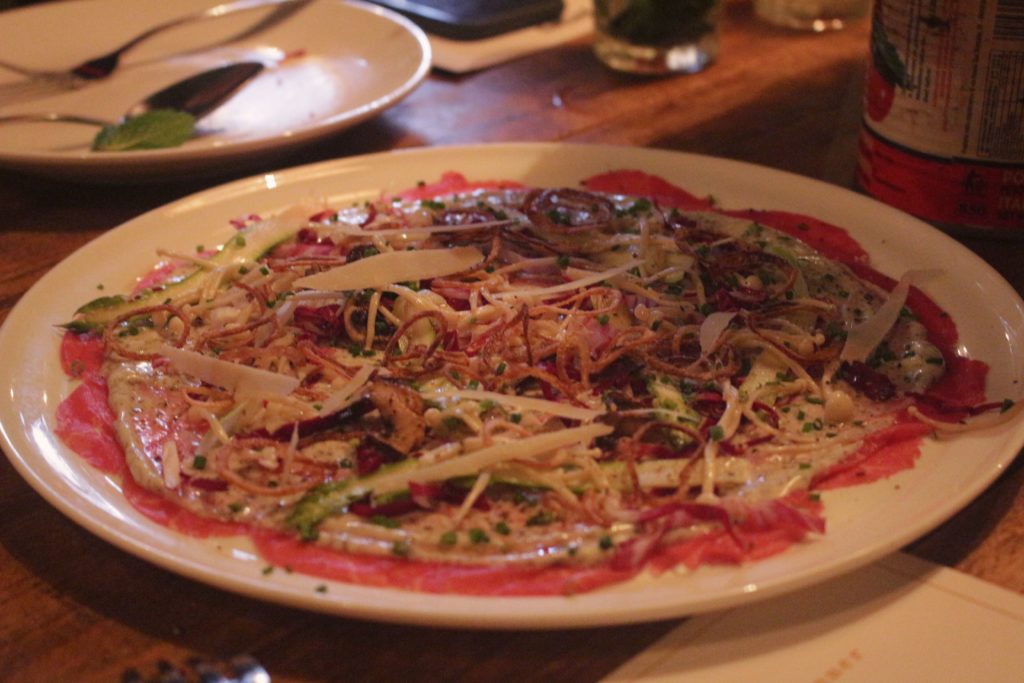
<point>217,11</point>
<point>53,117</point>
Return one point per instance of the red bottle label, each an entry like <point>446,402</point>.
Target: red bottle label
<point>950,191</point>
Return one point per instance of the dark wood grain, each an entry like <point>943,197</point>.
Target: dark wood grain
<point>76,609</point>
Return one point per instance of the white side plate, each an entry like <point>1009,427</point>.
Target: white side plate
<point>330,65</point>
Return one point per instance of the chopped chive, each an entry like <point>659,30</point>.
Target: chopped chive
<point>388,522</point>
<point>542,518</point>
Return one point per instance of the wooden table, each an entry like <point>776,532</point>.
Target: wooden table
<point>73,608</point>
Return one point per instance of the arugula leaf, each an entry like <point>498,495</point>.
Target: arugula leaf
<point>155,129</point>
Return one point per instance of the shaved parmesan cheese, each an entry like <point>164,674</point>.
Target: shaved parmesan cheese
<point>477,461</point>
<point>522,403</point>
<point>582,282</point>
<point>414,232</point>
<point>343,397</point>
<point>381,270</point>
<point>171,464</point>
<point>220,430</point>
<point>231,376</point>
<point>712,328</point>
<point>864,338</point>
<point>478,488</point>
<point>653,474</point>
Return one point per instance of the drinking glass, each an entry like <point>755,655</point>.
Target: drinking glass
<point>657,36</point>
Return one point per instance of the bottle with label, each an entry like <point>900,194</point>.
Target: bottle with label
<point>943,133</point>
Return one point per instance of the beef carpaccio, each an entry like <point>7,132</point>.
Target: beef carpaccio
<point>487,388</point>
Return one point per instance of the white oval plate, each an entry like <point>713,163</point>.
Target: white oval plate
<point>330,65</point>
<point>864,523</point>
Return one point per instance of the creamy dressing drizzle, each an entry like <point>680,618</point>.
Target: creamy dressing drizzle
<point>581,507</point>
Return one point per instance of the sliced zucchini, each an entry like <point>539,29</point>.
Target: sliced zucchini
<point>246,246</point>
<point>335,497</point>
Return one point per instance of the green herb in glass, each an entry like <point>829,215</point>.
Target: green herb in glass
<point>656,36</point>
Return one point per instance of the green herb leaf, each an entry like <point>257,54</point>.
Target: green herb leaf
<point>387,522</point>
<point>478,536</point>
<point>80,326</point>
<point>101,302</point>
<point>542,518</point>
<point>155,129</point>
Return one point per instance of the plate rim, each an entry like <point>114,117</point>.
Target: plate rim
<point>542,612</point>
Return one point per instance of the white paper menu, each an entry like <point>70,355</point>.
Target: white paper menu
<point>900,620</point>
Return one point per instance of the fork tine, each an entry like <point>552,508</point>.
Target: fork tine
<point>53,117</point>
<point>21,70</point>
<point>35,83</point>
<point>34,88</point>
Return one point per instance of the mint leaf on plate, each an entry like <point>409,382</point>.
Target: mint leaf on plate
<point>155,129</point>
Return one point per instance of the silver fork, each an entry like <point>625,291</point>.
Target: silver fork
<point>240,669</point>
<point>36,84</point>
<point>39,82</point>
